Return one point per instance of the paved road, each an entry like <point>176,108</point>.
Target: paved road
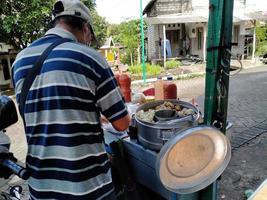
<point>248,113</point>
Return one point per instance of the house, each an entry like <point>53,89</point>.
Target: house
<point>111,51</point>
<point>184,24</point>
<point>7,57</point>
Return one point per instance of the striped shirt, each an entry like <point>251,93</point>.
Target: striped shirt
<point>66,155</point>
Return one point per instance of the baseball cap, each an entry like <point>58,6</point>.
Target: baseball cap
<point>73,8</point>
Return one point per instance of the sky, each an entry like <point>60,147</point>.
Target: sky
<point>116,11</point>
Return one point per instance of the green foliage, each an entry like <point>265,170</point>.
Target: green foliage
<point>261,49</point>
<point>114,31</point>
<point>129,35</point>
<point>151,70</point>
<point>23,21</point>
<point>172,64</point>
<point>100,27</point>
<point>261,39</point>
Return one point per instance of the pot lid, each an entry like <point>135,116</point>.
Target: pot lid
<point>193,159</point>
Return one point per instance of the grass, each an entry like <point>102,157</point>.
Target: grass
<point>151,70</point>
<point>173,64</point>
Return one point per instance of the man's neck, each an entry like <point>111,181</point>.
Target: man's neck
<point>76,33</point>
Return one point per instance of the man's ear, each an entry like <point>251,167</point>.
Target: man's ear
<point>85,27</point>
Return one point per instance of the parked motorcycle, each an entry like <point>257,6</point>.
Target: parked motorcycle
<point>8,163</point>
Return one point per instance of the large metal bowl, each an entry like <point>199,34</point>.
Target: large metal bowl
<point>153,135</point>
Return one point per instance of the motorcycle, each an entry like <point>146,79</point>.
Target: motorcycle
<point>8,165</point>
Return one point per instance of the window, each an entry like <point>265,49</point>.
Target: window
<point>5,69</point>
<point>235,34</point>
<point>199,38</point>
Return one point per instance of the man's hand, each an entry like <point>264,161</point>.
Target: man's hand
<point>104,119</point>
<point>122,124</point>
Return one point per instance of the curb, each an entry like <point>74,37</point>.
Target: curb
<point>179,77</point>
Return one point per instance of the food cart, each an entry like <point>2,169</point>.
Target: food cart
<point>166,170</point>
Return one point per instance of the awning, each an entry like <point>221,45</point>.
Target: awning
<point>172,19</point>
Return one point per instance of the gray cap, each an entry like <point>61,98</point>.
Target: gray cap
<point>73,8</point>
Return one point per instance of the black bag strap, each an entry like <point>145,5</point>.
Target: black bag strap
<point>34,71</point>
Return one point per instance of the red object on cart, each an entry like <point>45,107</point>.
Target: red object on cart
<point>149,92</point>
<point>125,85</point>
<point>170,90</point>
<point>117,77</point>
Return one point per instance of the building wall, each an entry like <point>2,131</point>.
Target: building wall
<point>166,7</point>
<point>156,31</point>
<point>194,40</point>
<point>239,48</point>
<point>152,42</point>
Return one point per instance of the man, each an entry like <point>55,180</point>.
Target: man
<point>66,156</point>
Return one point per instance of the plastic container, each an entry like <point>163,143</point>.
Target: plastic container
<point>125,85</point>
<point>117,77</point>
<point>159,93</point>
<point>149,92</point>
<point>170,89</point>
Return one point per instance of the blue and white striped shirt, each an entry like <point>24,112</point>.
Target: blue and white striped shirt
<point>66,155</point>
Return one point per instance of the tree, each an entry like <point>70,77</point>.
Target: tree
<point>100,28</point>
<point>261,39</point>
<point>23,21</point>
<point>114,31</point>
<point>129,34</point>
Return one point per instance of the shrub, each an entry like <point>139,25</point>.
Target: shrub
<point>172,64</point>
<point>151,70</point>
<point>261,50</point>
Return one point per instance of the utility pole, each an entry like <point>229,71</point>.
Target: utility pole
<point>142,42</point>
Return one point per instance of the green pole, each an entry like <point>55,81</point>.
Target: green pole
<point>142,42</point>
<point>217,72</point>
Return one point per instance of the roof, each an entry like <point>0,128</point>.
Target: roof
<point>111,44</point>
<point>201,15</point>
<point>108,44</point>
<point>149,6</point>
<point>259,15</point>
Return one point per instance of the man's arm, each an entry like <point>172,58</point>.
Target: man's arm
<point>122,124</point>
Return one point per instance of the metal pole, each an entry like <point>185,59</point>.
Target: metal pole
<point>205,43</point>
<point>164,46</point>
<point>142,42</point>
<point>254,42</point>
<point>217,72</point>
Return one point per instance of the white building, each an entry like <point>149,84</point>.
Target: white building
<point>186,22</point>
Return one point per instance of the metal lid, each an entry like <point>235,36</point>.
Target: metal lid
<point>193,159</point>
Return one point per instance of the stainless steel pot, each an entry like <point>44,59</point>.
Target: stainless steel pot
<point>155,135</point>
